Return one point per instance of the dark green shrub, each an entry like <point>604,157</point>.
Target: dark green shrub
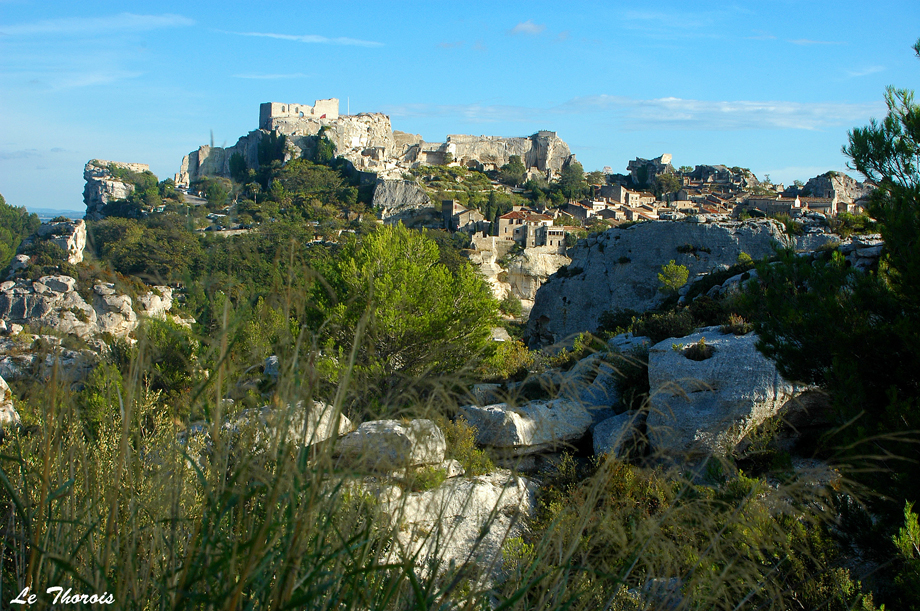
<point>661,326</point>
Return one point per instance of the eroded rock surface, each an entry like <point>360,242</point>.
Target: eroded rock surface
<point>619,269</point>
<point>536,426</point>
<point>387,445</point>
<point>705,407</point>
<point>102,188</point>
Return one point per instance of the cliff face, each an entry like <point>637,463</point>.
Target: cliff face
<point>847,189</point>
<point>520,275</point>
<point>619,269</point>
<point>215,161</point>
<point>101,187</point>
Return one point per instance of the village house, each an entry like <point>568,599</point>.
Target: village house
<point>531,229</point>
<point>460,218</point>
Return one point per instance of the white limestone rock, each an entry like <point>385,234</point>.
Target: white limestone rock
<point>400,200</point>
<point>101,187</point>
<point>619,270</point>
<point>385,445</point>
<point>614,435</point>
<point>305,426</point>
<point>533,427</point>
<point>627,342</point>
<point>9,417</point>
<point>70,236</point>
<point>465,520</point>
<point>706,407</point>
<point>156,302</point>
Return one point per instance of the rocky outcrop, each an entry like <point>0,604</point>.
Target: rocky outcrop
<point>215,160</point>
<point>520,275</point>
<point>102,188</point>
<point>536,426</point>
<point>39,357</point>
<point>386,445</point>
<point>618,269</point>
<point>846,189</point>
<point>156,303</point>
<point>465,522</point>
<point>707,406</point>
<point>401,200</point>
<point>69,236</point>
<point>9,417</point>
<point>304,425</point>
<point>55,302</point>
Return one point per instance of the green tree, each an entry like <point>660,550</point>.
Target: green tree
<point>420,318</point>
<point>858,333</point>
<point>512,173</point>
<point>272,148</point>
<point>672,277</point>
<point>665,184</point>
<point>16,224</point>
<point>596,178</point>
<point>325,148</point>
<point>572,182</point>
<point>238,170</point>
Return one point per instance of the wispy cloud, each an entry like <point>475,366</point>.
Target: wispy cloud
<point>451,45</point>
<point>677,113</point>
<point>271,77</point>
<point>761,35</point>
<point>312,39</point>
<point>96,25</point>
<point>665,113</point>
<point>20,154</point>
<point>90,79</point>
<point>528,27</point>
<point>865,71</point>
<point>806,41</point>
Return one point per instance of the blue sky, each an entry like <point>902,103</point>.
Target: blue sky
<point>773,85</point>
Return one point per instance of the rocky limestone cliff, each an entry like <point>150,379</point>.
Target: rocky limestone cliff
<point>101,187</point>
<point>401,200</point>
<point>56,303</point>
<point>215,160</point>
<point>70,236</point>
<point>520,275</point>
<point>847,189</point>
<point>543,150</point>
<point>618,269</point>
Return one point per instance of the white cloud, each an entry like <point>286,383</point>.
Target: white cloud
<point>865,71</point>
<point>272,76</point>
<point>97,25</point>
<point>806,41</point>
<point>528,27</point>
<point>713,115</point>
<point>312,38</point>
<point>665,113</point>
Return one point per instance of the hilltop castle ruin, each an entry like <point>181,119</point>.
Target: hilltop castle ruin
<point>368,141</point>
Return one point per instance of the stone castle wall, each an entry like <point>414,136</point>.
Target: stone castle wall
<point>327,109</point>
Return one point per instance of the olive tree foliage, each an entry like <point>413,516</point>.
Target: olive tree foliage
<point>404,312</point>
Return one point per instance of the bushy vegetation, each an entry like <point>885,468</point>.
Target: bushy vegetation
<point>16,224</point>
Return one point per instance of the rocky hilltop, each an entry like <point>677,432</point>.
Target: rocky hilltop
<point>101,187</point>
<point>368,141</point>
<point>618,269</point>
<point>847,189</point>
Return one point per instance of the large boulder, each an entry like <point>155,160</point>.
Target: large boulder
<point>304,424</point>
<point>705,407</point>
<point>619,269</point>
<point>465,521</point>
<point>156,302</point>
<point>56,303</point>
<point>536,426</point>
<point>615,435</point>
<point>9,417</point>
<point>387,445</point>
